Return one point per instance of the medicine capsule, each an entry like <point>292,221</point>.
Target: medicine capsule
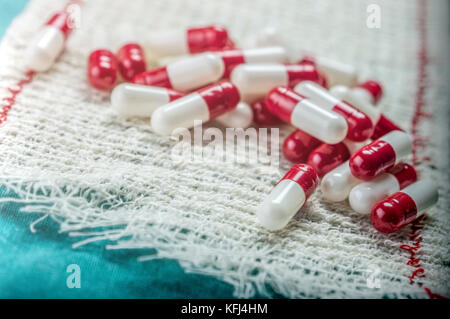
<point>240,117</point>
<point>326,157</point>
<point>262,116</point>
<point>185,75</point>
<point>232,58</point>
<point>384,126</point>
<point>298,145</point>
<point>288,196</point>
<point>337,73</point>
<point>258,79</point>
<point>48,44</point>
<point>128,99</point>
<point>131,60</point>
<point>102,69</point>
<point>360,126</point>
<point>380,155</point>
<point>302,113</point>
<point>337,183</point>
<point>190,41</point>
<point>403,207</point>
<point>202,105</point>
<point>364,196</point>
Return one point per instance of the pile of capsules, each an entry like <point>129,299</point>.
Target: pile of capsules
<point>345,140</point>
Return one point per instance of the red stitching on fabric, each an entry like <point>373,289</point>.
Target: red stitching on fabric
<point>419,142</point>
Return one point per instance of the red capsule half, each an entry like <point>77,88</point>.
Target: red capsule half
<point>305,176</point>
<point>131,59</point>
<point>298,145</point>
<point>384,126</point>
<point>209,38</point>
<point>102,69</point>
<point>262,116</point>
<point>326,157</point>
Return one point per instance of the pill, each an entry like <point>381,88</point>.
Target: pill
<point>287,197</point>
<point>364,196</point>
<point>337,183</point>
<point>232,58</point>
<point>258,79</point>
<point>360,98</point>
<point>202,105</point>
<point>48,44</point>
<point>185,75</point>
<point>102,69</point>
<point>131,60</point>
<point>302,113</point>
<point>187,41</point>
<point>128,99</point>
<point>262,116</point>
<point>240,117</point>
<point>403,207</point>
<point>326,157</point>
<point>337,73</point>
<point>298,145</point>
<point>322,80</point>
<point>380,155</point>
<point>384,126</point>
<point>360,126</point>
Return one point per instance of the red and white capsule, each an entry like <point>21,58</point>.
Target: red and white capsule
<point>364,196</point>
<point>102,70</point>
<point>302,113</point>
<point>403,207</point>
<point>288,197</point>
<point>379,156</point>
<point>232,58</point>
<point>337,183</point>
<point>48,44</point>
<point>298,145</point>
<point>326,157</point>
<point>360,126</point>
<point>258,79</point>
<point>187,41</point>
<point>202,105</point>
<point>131,60</point>
<point>185,75</point>
<point>130,100</point>
<point>262,116</point>
<point>240,117</point>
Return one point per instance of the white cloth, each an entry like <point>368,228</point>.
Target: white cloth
<point>65,153</point>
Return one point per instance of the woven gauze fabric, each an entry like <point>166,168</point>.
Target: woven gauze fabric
<point>66,154</point>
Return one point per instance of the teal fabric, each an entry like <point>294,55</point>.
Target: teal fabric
<point>34,265</point>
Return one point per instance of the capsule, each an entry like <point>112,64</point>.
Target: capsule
<point>380,155</point>
<point>48,44</point>
<point>262,116</point>
<point>202,105</point>
<point>326,157</point>
<point>129,100</point>
<point>384,126</point>
<point>337,183</point>
<point>302,113</point>
<point>403,207</point>
<point>288,196</point>
<point>232,58</point>
<point>131,60</point>
<point>185,75</point>
<point>337,73</point>
<point>360,126</point>
<point>102,69</point>
<point>298,145</point>
<point>190,41</point>
<point>240,117</point>
<point>258,79</point>
<point>364,196</point>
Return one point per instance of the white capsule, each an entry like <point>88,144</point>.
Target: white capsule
<point>44,49</point>
<point>130,100</point>
<point>337,72</point>
<point>272,54</point>
<point>241,117</point>
<point>167,42</point>
<point>337,184</point>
